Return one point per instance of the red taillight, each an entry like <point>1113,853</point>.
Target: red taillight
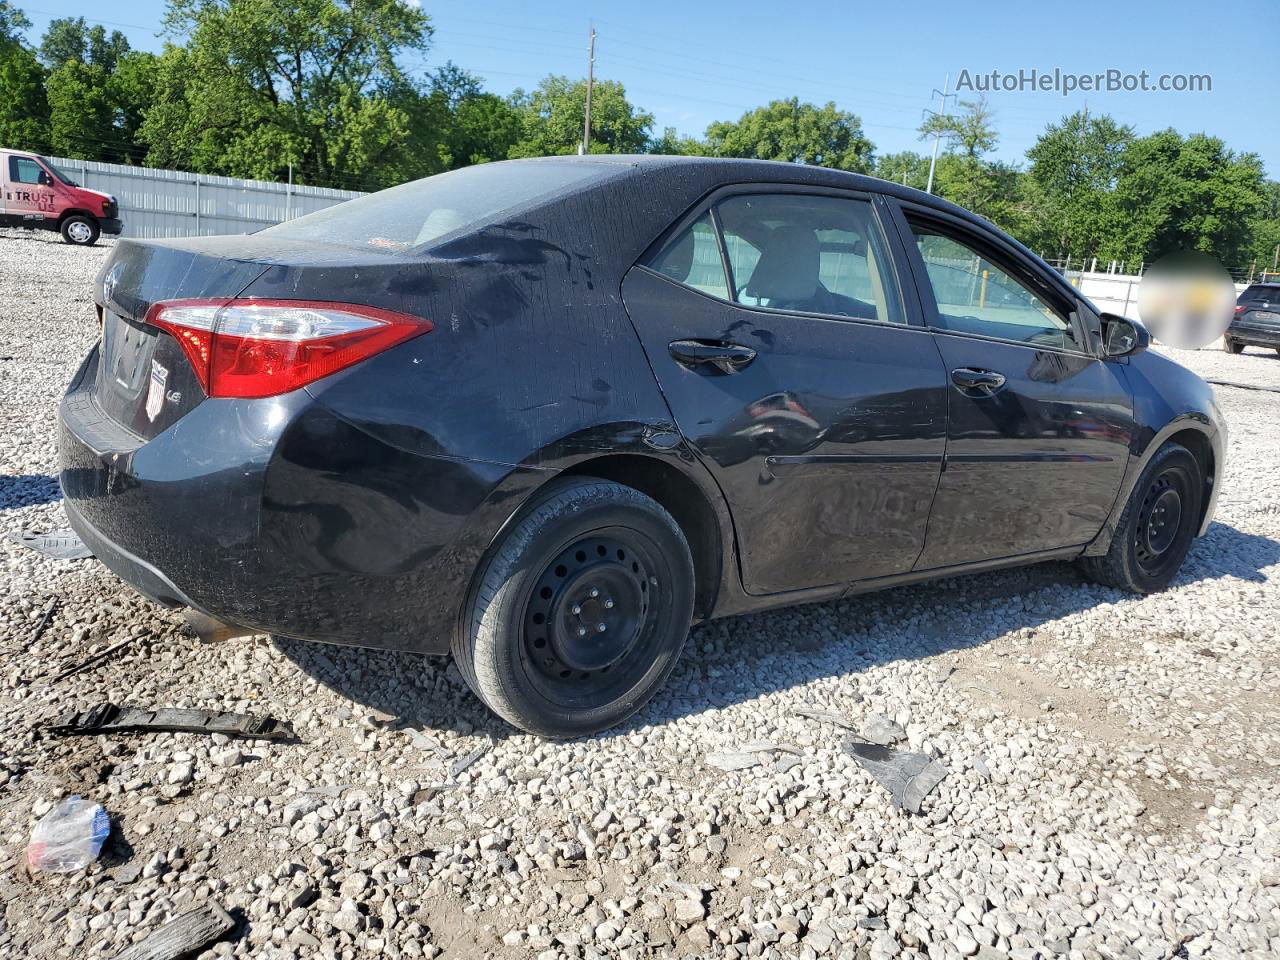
<point>1239,309</point>
<point>260,348</point>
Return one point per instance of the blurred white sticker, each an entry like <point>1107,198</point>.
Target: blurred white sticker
<point>155,391</point>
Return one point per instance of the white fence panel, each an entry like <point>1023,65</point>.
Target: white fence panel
<point>175,203</point>
<point>1115,292</point>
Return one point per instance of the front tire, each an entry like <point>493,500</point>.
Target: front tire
<point>1157,526</point>
<point>580,613</point>
<point>79,231</point>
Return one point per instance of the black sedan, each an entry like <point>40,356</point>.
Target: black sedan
<point>544,415</point>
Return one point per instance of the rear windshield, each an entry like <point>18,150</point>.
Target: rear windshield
<point>1260,291</point>
<point>422,213</point>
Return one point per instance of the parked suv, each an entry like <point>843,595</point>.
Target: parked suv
<point>39,196</point>
<point>1257,319</point>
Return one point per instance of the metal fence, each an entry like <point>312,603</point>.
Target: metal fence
<point>174,203</point>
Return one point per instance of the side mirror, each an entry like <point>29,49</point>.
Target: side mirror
<point>44,179</point>
<point>1122,337</point>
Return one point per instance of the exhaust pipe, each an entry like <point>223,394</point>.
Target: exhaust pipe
<point>211,630</point>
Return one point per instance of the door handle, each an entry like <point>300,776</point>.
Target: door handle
<point>983,383</point>
<point>725,357</point>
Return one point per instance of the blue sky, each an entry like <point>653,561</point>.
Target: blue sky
<point>690,63</point>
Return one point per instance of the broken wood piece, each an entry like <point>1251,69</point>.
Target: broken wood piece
<point>183,935</point>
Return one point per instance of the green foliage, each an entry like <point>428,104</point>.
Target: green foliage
<point>70,38</point>
<point>796,132</point>
<point>477,127</point>
<point>908,168</point>
<point>551,119</point>
<point>259,85</point>
<point>23,107</point>
<point>972,131</point>
<point>253,87</point>
<point>672,144</point>
<point>12,23</point>
<point>1174,193</point>
<point>1071,183</point>
<point>1265,230</point>
<point>80,110</point>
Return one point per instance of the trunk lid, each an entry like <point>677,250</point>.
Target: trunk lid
<point>144,381</point>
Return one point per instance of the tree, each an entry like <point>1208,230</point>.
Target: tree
<point>963,175</point>
<point>317,83</point>
<point>796,132</point>
<point>972,131</point>
<point>129,91</point>
<point>475,127</point>
<point>1070,184</point>
<point>70,38</point>
<point>908,168</point>
<point>1265,230</point>
<point>551,119</point>
<point>13,23</point>
<point>23,108</point>
<point>81,114</point>
<point>1174,193</point>
<point>672,144</point>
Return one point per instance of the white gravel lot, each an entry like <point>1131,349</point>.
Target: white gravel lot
<point>1114,761</point>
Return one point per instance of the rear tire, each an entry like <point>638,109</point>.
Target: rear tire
<point>1231,346</point>
<point>1157,526</point>
<point>79,231</point>
<point>586,554</point>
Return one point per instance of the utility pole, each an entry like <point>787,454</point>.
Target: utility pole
<point>586,124</point>
<point>937,137</point>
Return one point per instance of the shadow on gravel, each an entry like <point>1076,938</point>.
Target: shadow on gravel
<point>27,490</point>
<point>741,658</point>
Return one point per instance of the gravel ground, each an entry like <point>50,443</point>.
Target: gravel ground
<point>1113,761</point>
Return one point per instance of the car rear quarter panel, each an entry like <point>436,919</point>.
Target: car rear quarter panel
<point>387,492</point>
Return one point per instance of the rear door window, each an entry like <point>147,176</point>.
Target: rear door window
<point>693,258</point>
<point>809,254</point>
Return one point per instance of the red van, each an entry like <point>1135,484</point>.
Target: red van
<point>39,196</point>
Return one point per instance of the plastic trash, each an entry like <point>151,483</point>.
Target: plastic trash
<point>59,544</point>
<point>68,837</point>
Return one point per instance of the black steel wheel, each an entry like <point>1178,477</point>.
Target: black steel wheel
<point>581,611</point>
<point>1155,530</point>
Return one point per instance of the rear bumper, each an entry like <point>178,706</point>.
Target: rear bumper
<point>1255,335</point>
<point>282,516</point>
<point>133,570</point>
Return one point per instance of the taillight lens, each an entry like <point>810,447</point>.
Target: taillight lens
<point>260,348</point>
<point>1239,309</point>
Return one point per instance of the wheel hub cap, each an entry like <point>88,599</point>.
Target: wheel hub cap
<point>1160,519</point>
<point>79,232</point>
<point>588,609</point>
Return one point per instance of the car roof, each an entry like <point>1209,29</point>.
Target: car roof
<point>731,169</point>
